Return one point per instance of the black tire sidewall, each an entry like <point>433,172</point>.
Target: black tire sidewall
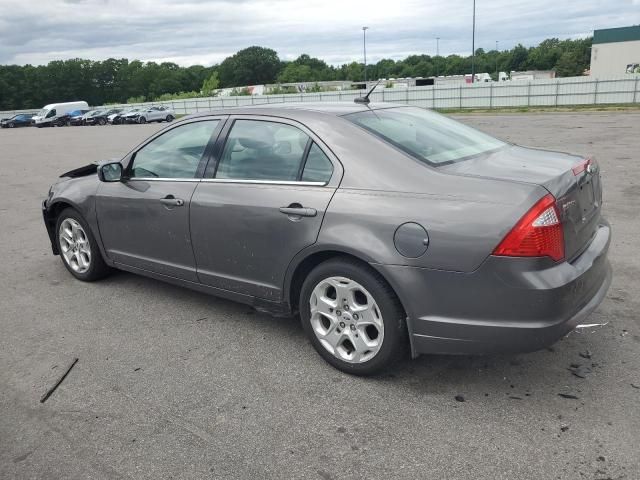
<point>392,314</point>
<point>98,268</point>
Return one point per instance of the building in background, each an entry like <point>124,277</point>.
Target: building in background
<point>533,75</point>
<point>615,51</point>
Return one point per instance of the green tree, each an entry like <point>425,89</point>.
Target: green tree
<point>250,66</point>
<point>211,84</point>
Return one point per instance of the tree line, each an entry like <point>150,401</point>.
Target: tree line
<point>120,80</point>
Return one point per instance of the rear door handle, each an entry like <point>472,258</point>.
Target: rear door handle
<point>171,201</point>
<point>299,211</point>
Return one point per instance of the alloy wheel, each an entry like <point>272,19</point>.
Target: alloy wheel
<point>74,245</point>
<point>346,319</point>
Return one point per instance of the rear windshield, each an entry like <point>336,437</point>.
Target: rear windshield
<point>428,136</point>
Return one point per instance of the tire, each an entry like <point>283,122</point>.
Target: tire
<point>142,120</point>
<point>87,268</point>
<point>169,118</point>
<point>102,122</point>
<point>372,332</point>
<point>12,125</point>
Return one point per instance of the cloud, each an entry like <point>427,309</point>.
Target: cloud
<point>206,31</point>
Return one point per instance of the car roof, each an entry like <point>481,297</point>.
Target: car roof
<point>289,109</point>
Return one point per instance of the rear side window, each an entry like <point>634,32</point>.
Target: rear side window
<point>318,167</point>
<point>425,135</point>
<point>262,150</point>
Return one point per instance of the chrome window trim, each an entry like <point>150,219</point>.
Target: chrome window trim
<point>228,180</point>
<point>264,182</point>
<point>162,179</point>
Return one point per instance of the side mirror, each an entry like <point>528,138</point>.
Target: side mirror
<point>110,172</point>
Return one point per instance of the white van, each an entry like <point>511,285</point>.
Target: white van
<point>48,116</point>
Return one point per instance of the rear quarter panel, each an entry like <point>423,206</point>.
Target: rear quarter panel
<point>382,188</point>
<point>462,229</point>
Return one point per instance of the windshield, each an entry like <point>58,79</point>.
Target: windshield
<point>428,136</point>
<point>43,112</point>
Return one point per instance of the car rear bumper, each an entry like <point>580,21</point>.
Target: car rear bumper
<point>506,305</point>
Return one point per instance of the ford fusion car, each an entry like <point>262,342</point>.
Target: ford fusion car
<point>389,229</point>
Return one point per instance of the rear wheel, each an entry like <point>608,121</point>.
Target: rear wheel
<point>102,121</point>
<point>352,317</point>
<point>78,248</point>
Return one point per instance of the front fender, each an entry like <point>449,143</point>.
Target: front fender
<point>77,193</point>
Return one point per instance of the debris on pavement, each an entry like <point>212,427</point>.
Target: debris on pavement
<point>586,354</point>
<point>459,398</point>
<point>57,384</point>
<point>568,396</point>
<point>580,371</point>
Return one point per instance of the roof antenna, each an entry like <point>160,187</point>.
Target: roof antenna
<point>365,99</point>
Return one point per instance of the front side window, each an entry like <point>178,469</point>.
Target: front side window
<point>52,113</point>
<point>174,154</point>
<point>428,136</point>
<point>262,150</point>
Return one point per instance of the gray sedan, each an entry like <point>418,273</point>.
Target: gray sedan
<point>389,229</point>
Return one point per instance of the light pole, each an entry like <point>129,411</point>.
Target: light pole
<point>437,54</point>
<point>364,47</point>
<point>497,55</point>
<point>473,45</point>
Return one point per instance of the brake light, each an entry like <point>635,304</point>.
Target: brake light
<point>537,234</point>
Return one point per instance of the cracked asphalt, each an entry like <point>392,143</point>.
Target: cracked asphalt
<point>172,383</point>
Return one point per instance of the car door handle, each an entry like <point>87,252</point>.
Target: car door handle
<point>171,201</point>
<point>299,211</point>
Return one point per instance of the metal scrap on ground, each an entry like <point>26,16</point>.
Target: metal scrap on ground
<point>57,384</point>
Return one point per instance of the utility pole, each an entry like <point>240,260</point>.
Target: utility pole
<point>497,55</point>
<point>437,54</point>
<point>364,46</point>
<point>473,45</point>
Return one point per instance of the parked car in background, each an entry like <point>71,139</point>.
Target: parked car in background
<point>390,229</point>
<point>50,114</point>
<point>74,118</point>
<point>87,115</point>
<point>19,120</point>
<point>152,114</point>
<point>101,116</point>
<point>118,118</point>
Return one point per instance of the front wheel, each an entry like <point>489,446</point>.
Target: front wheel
<point>142,120</point>
<point>78,248</point>
<point>12,125</point>
<point>169,118</point>
<point>352,317</point>
<point>102,121</point>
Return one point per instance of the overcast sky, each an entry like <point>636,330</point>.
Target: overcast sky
<point>206,31</point>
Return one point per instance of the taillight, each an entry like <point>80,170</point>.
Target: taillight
<point>537,234</point>
<point>581,167</point>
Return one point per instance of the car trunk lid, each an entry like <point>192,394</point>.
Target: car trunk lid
<point>573,180</point>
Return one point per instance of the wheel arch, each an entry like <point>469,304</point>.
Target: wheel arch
<point>308,259</point>
<point>51,214</point>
